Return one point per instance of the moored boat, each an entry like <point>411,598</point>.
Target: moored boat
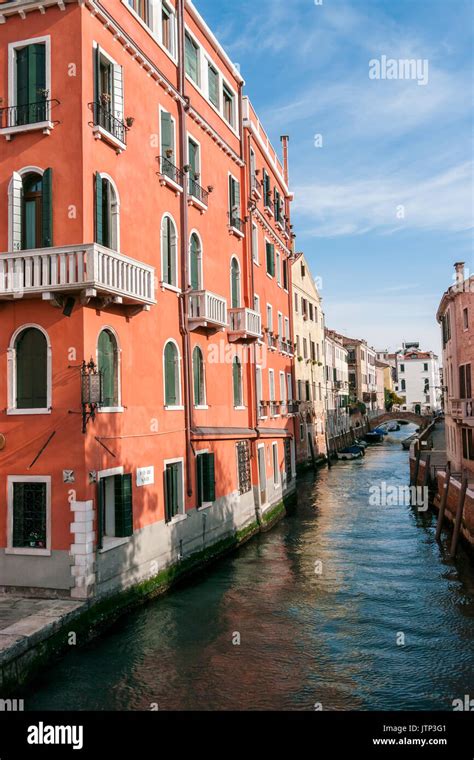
<point>351,452</point>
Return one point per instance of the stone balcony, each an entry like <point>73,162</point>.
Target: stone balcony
<point>87,271</point>
<point>207,310</point>
<point>244,324</point>
<point>462,410</point>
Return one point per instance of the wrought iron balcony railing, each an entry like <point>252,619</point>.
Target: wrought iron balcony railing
<point>235,222</point>
<point>170,171</point>
<point>104,118</point>
<point>29,113</point>
<point>198,192</point>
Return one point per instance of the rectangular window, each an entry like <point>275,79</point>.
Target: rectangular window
<point>289,386</point>
<point>467,444</point>
<point>270,249</point>
<point>276,469</point>
<point>308,390</point>
<point>191,58</point>
<point>228,106</point>
<point>115,507</point>
<point>167,144</point>
<point>465,318</point>
<point>30,86</point>
<point>29,500</point>
<point>285,274</point>
<point>296,302</point>
<point>234,203</point>
<point>313,350</point>
<point>267,193</point>
<point>269,317</point>
<point>142,9</point>
<point>278,267</point>
<point>287,328</point>
<point>213,82</point>
<point>305,348</point>
<point>271,384</point>
<point>243,465</point>
<point>255,243</point>
<point>465,390</point>
<point>402,368</point>
<point>311,311</point>
<point>425,368</point>
<point>167,28</point>
<point>174,496</point>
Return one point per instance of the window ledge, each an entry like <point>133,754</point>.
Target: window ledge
<point>167,286</point>
<point>29,551</point>
<point>45,126</point>
<point>168,182</point>
<point>177,519</point>
<point>101,134</point>
<point>236,232</point>
<point>193,201</point>
<point>111,542</point>
<point>28,411</point>
<point>268,211</point>
<point>206,505</point>
<point>201,407</point>
<point>174,408</point>
<point>240,408</point>
<point>111,410</point>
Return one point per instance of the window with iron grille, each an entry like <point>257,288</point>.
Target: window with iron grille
<point>29,515</point>
<point>243,461</point>
<point>288,468</point>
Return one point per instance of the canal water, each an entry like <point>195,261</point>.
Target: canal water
<point>344,605</point>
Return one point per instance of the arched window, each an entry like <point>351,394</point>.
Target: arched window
<point>169,264</point>
<point>172,375</point>
<point>237,381</point>
<point>235,283</point>
<point>198,377</point>
<point>195,255</point>
<point>107,213</point>
<point>30,349</point>
<point>108,362</point>
<point>30,209</point>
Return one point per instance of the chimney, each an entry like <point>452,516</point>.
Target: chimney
<point>459,270</point>
<point>284,141</point>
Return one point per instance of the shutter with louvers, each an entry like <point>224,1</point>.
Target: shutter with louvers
<point>31,351</point>
<point>237,380</point>
<point>14,204</point>
<point>213,77</point>
<point>99,231</point>
<point>97,87</point>
<point>271,259</point>
<point>198,376</point>
<point>209,480</point>
<point>165,244</point>
<point>123,505</point>
<point>193,157</point>
<point>37,82</point>
<point>167,137</point>
<point>107,365</point>
<point>171,372</point>
<point>236,198</point>
<point>191,59</point>
<point>47,209</point>
<point>100,511</point>
<point>194,262</point>
<point>118,91</point>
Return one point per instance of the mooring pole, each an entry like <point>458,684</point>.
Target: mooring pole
<point>459,511</point>
<point>444,500</point>
<point>417,464</point>
<point>426,478</point>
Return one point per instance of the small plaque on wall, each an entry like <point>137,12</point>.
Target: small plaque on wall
<point>145,476</point>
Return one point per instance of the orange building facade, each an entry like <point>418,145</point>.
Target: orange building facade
<point>146,344</point>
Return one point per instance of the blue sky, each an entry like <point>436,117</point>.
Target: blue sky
<point>386,144</point>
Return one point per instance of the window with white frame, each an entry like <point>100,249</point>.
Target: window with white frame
<point>29,83</point>
<point>108,361</point>
<point>276,468</point>
<point>29,375</point>
<point>29,514</point>
<point>192,59</point>
<point>107,212</point>
<point>289,385</point>
<point>278,267</point>
<point>173,489</point>
<point>169,252</point>
<point>160,18</point>
<point>237,382</point>
<point>228,104</point>
<point>255,243</point>
<point>172,375</point>
<point>269,317</point>
<point>213,85</point>
<point>30,211</point>
<point>108,107</point>
<point>256,303</point>
<point>168,145</point>
<point>282,388</point>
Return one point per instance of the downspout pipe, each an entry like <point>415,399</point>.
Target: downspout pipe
<point>183,104</point>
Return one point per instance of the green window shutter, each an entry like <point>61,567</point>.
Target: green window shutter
<point>108,365</point>
<point>231,195</point>
<point>22,92</point>
<point>209,480</point>
<point>193,157</point>
<point>100,512</point>
<point>194,262</point>
<point>99,231</point>
<point>165,242</point>
<point>271,259</point>
<point>236,202</point>
<point>171,372</point>
<point>167,136</point>
<point>31,369</point>
<point>200,478</point>
<point>47,209</point>
<point>237,382</point>
<point>172,490</point>
<point>276,203</point>
<point>198,376</point>
<point>191,59</point>
<point>123,505</point>
<point>213,86</point>
<point>235,284</point>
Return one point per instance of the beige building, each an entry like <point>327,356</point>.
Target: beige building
<point>308,329</point>
<point>337,385</point>
<point>362,372</point>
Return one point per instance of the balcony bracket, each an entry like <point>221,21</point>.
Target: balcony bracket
<point>54,299</point>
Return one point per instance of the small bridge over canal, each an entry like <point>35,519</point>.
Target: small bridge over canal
<point>421,420</point>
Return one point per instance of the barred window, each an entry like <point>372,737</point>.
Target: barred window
<point>243,461</point>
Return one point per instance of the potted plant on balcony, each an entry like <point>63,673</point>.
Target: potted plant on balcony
<point>129,121</point>
<point>34,539</point>
<point>300,358</point>
<point>105,99</point>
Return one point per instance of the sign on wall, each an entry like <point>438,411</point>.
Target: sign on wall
<point>145,476</point>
